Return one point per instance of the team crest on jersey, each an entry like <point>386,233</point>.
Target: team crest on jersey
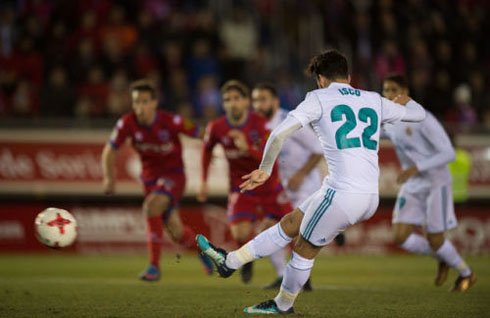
<point>168,183</point>
<point>225,140</point>
<point>254,135</point>
<point>408,131</point>
<point>163,135</point>
<point>138,136</point>
<point>282,198</point>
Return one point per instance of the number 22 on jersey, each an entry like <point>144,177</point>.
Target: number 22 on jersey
<point>366,115</point>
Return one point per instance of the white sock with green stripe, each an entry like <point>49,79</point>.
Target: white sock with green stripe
<point>265,244</point>
<point>448,254</point>
<point>418,244</point>
<point>297,273</point>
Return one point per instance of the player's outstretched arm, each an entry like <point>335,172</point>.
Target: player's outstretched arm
<point>108,159</point>
<point>394,111</point>
<point>253,180</point>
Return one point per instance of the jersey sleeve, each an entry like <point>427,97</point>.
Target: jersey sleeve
<point>119,133</point>
<point>185,126</point>
<point>207,150</point>
<point>391,112</point>
<point>306,137</point>
<point>276,140</point>
<point>308,111</point>
<point>435,134</point>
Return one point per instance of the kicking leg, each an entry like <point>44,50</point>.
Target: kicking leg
<point>264,244</point>
<point>278,258</point>
<point>297,273</point>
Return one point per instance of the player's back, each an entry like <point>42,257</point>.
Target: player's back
<point>348,131</point>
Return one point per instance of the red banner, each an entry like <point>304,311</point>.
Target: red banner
<point>121,229</point>
<point>51,162</point>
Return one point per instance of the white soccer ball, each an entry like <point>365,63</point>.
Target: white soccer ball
<point>56,228</point>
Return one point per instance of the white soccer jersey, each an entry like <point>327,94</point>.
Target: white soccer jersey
<point>347,122</point>
<point>295,152</point>
<point>425,145</point>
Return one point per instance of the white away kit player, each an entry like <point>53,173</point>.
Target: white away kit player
<point>425,199</point>
<point>347,123</point>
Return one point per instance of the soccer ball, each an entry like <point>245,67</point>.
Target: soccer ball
<point>56,228</point>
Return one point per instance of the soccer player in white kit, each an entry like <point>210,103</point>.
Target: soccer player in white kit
<point>298,159</point>
<point>347,123</point>
<point>425,199</point>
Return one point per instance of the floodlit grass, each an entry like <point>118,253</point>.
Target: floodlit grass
<point>59,285</point>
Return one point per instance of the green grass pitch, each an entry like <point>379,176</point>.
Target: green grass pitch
<point>60,285</point>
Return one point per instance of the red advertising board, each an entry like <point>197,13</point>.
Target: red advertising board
<point>121,229</point>
<point>59,162</point>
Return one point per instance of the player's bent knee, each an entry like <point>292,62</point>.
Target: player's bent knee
<point>291,222</point>
<point>401,232</point>
<point>175,227</point>
<point>399,238</point>
<point>242,231</point>
<point>155,205</point>
<point>306,249</point>
<point>435,240</point>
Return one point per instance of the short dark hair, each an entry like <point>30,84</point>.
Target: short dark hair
<point>144,85</point>
<point>332,64</point>
<point>399,79</point>
<point>236,85</point>
<point>268,87</point>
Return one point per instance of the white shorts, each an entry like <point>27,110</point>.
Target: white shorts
<point>298,197</point>
<point>433,208</point>
<point>328,212</point>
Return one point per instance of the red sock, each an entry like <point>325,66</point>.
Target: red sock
<point>188,238</point>
<point>154,238</point>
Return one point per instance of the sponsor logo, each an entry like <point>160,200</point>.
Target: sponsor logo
<point>163,135</point>
<point>138,136</point>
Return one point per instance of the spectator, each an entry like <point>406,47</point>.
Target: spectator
<point>96,90</point>
<point>462,112</point>
<point>118,101</point>
<point>24,101</point>
<point>57,96</point>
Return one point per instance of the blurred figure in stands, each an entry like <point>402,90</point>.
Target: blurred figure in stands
<point>57,96</point>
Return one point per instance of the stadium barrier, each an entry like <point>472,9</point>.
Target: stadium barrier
<point>53,162</point>
<point>120,229</point>
<point>41,164</point>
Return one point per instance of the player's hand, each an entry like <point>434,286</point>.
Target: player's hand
<point>407,174</point>
<point>109,186</point>
<point>202,195</point>
<point>402,99</point>
<point>296,181</point>
<point>253,180</point>
<point>239,139</point>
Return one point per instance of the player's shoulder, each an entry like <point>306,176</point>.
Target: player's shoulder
<point>218,122</point>
<point>127,119</point>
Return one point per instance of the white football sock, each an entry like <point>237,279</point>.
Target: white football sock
<point>418,244</point>
<point>448,254</point>
<point>278,260</point>
<point>264,244</point>
<point>297,273</point>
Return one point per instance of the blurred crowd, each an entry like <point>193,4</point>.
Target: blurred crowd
<point>76,58</point>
